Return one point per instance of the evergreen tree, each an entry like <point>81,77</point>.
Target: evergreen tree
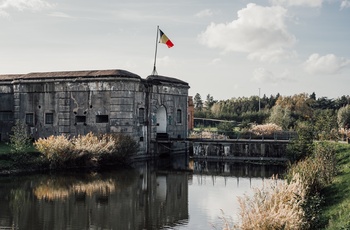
<point>197,101</point>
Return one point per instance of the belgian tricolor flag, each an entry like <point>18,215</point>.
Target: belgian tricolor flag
<point>164,39</point>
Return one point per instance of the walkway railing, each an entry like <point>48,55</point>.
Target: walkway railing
<point>221,135</point>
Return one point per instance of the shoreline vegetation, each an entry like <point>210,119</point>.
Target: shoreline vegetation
<point>314,195</point>
<point>83,152</point>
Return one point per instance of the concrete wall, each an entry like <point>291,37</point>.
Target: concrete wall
<point>6,109</point>
<point>64,103</point>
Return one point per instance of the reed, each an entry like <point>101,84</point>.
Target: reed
<point>278,205</point>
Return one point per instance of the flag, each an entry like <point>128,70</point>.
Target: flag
<point>164,39</point>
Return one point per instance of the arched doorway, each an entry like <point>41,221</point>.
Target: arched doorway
<point>161,120</point>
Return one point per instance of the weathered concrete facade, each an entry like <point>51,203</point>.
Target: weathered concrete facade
<point>106,101</point>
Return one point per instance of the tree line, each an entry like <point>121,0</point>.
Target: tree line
<point>326,116</point>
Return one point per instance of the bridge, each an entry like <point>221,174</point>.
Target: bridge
<point>244,148</point>
<point>240,149</point>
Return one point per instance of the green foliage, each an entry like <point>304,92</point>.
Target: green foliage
<point>317,171</point>
<point>20,141</point>
<point>302,146</point>
<point>336,209</point>
<point>258,117</point>
<point>344,117</point>
<point>226,128</point>
<point>281,117</point>
<point>198,103</point>
<point>325,125</point>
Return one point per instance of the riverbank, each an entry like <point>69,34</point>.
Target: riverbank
<point>16,163</point>
<point>336,209</point>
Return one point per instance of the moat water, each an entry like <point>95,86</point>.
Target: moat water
<point>144,197</point>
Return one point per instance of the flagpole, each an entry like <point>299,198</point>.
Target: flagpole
<point>154,72</point>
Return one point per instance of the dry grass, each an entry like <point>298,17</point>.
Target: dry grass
<point>86,150</point>
<point>293,203</point>
<point>265,129</point>
<point>278,205</point>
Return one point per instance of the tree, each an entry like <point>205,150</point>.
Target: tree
<point>313,96</point>
<point>20,139</point>
<point>325,124</point>
<point>303,146</point>
<point>197,101</point>
<point>209,102</point>
<point>344,117</point>
<point>281,117</point>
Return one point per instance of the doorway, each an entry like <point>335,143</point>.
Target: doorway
<point>161,119</point>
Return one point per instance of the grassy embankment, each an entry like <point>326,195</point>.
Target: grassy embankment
<point>316,194</point>
<point>337,195</point>
<point>11,162</point>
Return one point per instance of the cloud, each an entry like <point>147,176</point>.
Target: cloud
<point>215,61</point>
<point>262,75</point>
<point>259,31</point>
<point>60,15</point>
<point>328,64</point>
<point>21,5</point>
<point>204,13</point>
<point>345,4</point>
<point>25,4</point>
<point>305,3</point>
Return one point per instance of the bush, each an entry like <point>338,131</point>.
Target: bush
<point>124,147</point>
<point>302,146</point>
<point>317,170</point>
<point>20,140</point>
<point>57,149</point>
<point>86,150</point>
<point>266,129</point>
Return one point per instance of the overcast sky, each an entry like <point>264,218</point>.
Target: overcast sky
<point>225,48</point>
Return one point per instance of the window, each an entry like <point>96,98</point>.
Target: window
<point>48,118</point>
<point>179,116</point>
<point>141,116</point>
<point>80,119</point>
<point>6,116</point>
<point>29,118</point>
<point>101,118</point>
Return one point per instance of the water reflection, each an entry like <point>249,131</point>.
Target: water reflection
<point>127,199</point>
<point>147,197</point>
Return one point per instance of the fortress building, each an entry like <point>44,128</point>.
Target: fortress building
<point>98,101</point>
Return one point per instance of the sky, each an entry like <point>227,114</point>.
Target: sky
<point>225,48</point>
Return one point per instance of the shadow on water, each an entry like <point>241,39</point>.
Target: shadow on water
<point>152,195</point>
